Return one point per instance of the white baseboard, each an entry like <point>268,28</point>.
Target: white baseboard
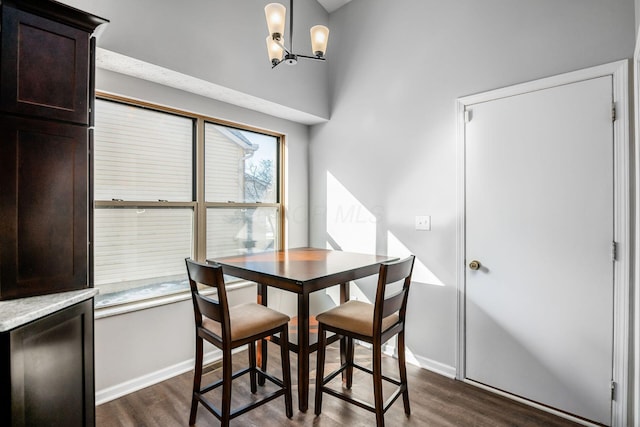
<point>422,362</point>
<point>119,390</point>
<point>432,365</point>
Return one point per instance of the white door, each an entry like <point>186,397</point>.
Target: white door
<point>539,212</point>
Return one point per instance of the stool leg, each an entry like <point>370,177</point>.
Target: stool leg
<point>197,380</point>
<point>226,387</point>
<point>402,365</point>
<point>262,344</point>
<point>350,353</point>
<point>262,358</point>
<point>344,356</point>
<point>322,342</point>
<point>252,366</point>
<point>286,369</point>
<point>377,385</point>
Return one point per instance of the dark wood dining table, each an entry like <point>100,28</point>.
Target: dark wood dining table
<point>302,271</point>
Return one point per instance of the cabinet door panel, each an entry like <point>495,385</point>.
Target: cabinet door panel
<point>44,206</point>
<point>51,374</point>
<point>45,68</point>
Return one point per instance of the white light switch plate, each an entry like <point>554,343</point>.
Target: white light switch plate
<point>423,222</point>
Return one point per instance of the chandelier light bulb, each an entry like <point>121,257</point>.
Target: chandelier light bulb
<point>319,39</point>
<point>275,49</point>
<point>276,17</point>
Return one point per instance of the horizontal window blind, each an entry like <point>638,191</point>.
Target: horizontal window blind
<point>142,155</point>
<point>224,167</point>
<point>135,247</point>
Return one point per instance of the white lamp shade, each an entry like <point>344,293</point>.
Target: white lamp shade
<point>319,39</point>
<point>275,49</point>
<point>276,17</point>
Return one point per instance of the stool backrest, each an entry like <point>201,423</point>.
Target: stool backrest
<point>386,305</point>
<point>218,310</point>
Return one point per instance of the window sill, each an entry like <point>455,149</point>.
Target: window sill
<point>118,309</point>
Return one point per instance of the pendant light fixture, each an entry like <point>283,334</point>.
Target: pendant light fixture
<point>276,15</point>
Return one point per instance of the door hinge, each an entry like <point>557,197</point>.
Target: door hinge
<point>613,390</point>
<point>614,251</point>
<point>613,112</point>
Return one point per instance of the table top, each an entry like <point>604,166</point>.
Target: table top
<point>308,268</point>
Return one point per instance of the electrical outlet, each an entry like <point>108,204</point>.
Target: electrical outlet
<point>423,222</point>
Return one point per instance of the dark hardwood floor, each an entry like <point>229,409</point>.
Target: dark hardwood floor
<point>435,401</point>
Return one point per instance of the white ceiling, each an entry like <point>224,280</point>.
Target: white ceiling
<point>332,5</point>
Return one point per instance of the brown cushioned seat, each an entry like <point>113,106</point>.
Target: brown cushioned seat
<point>247,320</point>
<point>355,316</point>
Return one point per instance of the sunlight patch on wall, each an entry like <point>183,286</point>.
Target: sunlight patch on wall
<point>351,227</point>
<point>331,297</point>
<point>411,357</point>
<point>390,348</point>
<point>421,272</point>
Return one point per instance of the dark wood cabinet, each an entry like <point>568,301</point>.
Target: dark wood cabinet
<point>43,206</point>
<point>46,90</point>
<point>45,67</point>
<point>46,370</point>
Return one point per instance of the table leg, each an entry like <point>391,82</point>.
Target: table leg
<point>344,348</point>
<point>303,351</point>
<point>262,345</point>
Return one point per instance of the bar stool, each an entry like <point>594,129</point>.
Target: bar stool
<point>374,324</point>
<point>228,328</point>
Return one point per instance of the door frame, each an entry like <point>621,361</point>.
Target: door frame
<point>622,225</point>
<point>636,280</point>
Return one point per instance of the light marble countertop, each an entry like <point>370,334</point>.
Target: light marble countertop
<point>18,312</point>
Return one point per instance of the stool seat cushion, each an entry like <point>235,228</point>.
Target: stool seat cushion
<point>356,317</point>
<point>247,320</point>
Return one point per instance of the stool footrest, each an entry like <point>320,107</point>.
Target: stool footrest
<point>358,402</point>
<point>241,410</point>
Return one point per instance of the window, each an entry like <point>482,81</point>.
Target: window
<point>240,190</point>
<point>151,187</point>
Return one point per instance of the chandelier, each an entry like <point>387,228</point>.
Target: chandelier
<point>278,53</point>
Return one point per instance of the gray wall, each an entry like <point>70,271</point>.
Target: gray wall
<point>137,347</point>
<point>221,41</point>
<point>637,5</point>
<point>388,151</point>
<point>396,71</point>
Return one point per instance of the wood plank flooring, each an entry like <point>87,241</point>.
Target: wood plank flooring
<point>435,401</point>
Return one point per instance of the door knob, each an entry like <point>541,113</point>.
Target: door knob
<point>474,265</point>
